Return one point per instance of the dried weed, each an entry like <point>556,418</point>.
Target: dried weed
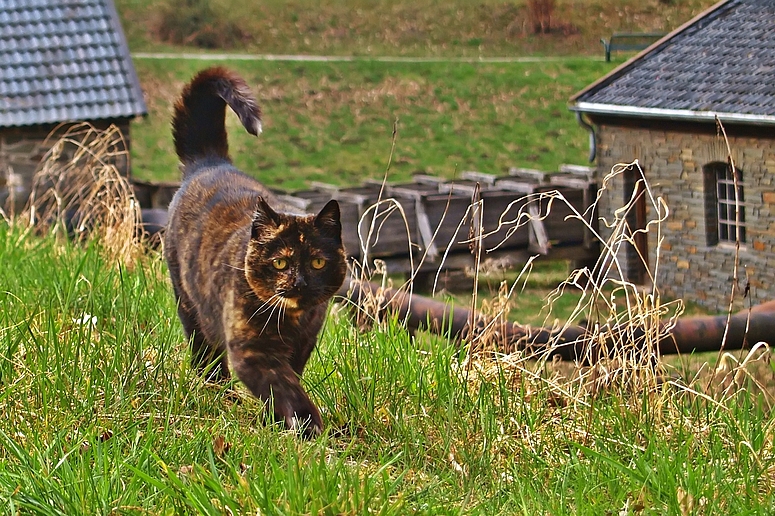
<point>79,192</point>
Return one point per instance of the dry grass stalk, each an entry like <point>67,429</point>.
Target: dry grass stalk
<point>736,266</point>
<point>624,321</point>
<point>79,192</point>
<point>371,307</point>
<point>734,375</point>
<point>618,311</point>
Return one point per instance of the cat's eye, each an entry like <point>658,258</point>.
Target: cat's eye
<point>280,264</point>
<point>318,263</point>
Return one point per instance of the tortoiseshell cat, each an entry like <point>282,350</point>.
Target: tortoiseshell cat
<point>252,283</point>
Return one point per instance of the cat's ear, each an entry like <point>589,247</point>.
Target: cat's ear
<point>264,218</point>
<point>327,221</point>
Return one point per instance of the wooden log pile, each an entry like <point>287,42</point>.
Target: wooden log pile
<point>428,220</point>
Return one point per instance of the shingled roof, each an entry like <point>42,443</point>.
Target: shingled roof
<point>64,60</point>
<point>720,63</point>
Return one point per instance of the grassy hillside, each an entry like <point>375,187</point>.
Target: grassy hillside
<point>333,122</point>
<point>382,27</point>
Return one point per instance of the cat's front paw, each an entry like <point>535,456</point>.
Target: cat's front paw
<point>306,426</point>
<point>299,415</point>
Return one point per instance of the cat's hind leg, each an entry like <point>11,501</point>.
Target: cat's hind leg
<point>207,359</point>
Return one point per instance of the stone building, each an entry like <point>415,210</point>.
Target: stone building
<point>660,108</point>
<point>61,62</point>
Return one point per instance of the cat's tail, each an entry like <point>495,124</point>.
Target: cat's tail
<point>198,128</point>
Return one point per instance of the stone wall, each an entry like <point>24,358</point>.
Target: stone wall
<point>21,151</point>
<point>672,161</point>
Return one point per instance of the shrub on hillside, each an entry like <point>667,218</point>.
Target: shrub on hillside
<point>540,15</point>
<point>197,23</point>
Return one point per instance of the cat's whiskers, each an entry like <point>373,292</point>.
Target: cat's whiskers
<point>275,304</point>
<point>267,320</point>
<point>276,307</point>
<point>270,303</point>
<point>280,317</point>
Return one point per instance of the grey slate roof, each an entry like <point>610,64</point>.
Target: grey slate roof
<point>722,62</point>
<point>64,60</point>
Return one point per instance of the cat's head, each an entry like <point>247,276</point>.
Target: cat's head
<point>296,261</point>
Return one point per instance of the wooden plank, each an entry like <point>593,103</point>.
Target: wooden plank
<point>509,259</point>
<point>580,170</point>
<point>539,240</point>
<point>539,176</point>
<point>427,180</point>
<point>480,177</point>
<point>426,231</point>
<point>522,187</point>
<point>501,206</point>
<point>387,231</point>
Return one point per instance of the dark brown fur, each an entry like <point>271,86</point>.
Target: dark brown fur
<point>240,312</point>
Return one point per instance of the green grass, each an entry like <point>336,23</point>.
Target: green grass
<point>333,122</point>
<point>102,415</point>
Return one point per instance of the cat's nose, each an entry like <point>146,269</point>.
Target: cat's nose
<point>300,281</point>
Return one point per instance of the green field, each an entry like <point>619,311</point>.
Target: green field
<point>333,122</point>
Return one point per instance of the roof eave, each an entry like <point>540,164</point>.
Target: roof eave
<point>679,115</point>
<point>55,121</point>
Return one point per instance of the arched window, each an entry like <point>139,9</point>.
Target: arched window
<point>723,222</point>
